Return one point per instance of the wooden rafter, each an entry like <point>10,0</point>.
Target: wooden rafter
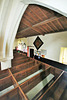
<point>38,31</point>
<point>43,29</point>
<point>47,21</point>
<point>38,24</point>
<point>32,15</point>
<point>44,26</point>
<point>60,24</point>
<point>42,12</point>
<point>65,19</point>
<point>49,27</point>
<point>35,13</point>
<point>55,26</point>
<point>28,18</point>
<point>29,25</point>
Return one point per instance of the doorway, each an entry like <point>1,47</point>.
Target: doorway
<point>31,53</point>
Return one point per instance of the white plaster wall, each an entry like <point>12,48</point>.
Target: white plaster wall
<point>52,43</point>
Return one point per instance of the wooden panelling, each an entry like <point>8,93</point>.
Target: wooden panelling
<point>6,82</point>
<point>22,66</point>
<point>4,73</point>
<point>29,84</point>
<point>15,94</point>
<point>18,62</point>
<point>52,89</point>
<point>23,74</point>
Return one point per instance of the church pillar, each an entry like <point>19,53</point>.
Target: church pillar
<point>10,16</point>
<point>5,64</point>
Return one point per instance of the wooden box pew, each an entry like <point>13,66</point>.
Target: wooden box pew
<point>27,73</point>
<point>33,87</point>
<point>4,73</point>
<point>14,94</point>
<point>57,91</point>
<point>23,66</point>
<point>19,57</point>
<point>55,71</point>
<point>7,84</point>
<point>23,58</point>
<point>14,63</point>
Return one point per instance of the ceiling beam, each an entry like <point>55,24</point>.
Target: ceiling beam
<point>27,23</point>
<point>45,28</point>
<point>34,11</point>
<point>20,36</point>
<point>60,24</point>
<point>31,14</point>
<point>30,27</point>
<point>28,18</point>
<point>42,12</point>
<point>38,24</point>
<point>54,26</point>
<point>47,21</point>
<point>50,27</point>
<point>38,31</point>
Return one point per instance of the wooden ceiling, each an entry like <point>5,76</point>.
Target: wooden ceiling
<point>38,20</point>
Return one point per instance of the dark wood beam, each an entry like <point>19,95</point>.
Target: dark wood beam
<point>21,36</point>
<point>54,26</point>
<point>28,18</point>
<point>31,15</point>
<point>65,18</point>
<point>30,27</point>
<point>38,31</point>
<point>50,27</point>
<point>47,21</point>
<point>42,12</point>
<point>60,24</point>
<point>43,29</point>
<point>34,11</point>
<point>38,24</point>
<point>27,23</point>
<point>44,26</point>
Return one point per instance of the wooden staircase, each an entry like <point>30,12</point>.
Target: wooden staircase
<point>30,79</point>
